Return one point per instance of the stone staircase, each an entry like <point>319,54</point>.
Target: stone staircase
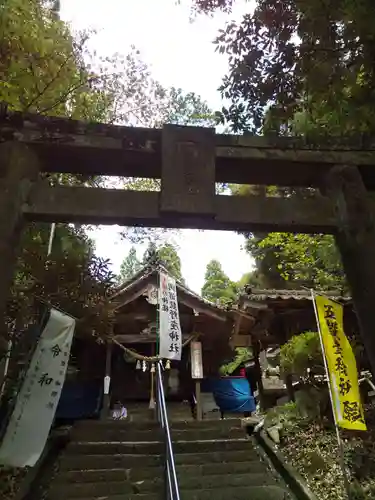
<point>119,460</point>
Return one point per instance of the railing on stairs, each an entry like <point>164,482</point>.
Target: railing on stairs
<point>171,483</point>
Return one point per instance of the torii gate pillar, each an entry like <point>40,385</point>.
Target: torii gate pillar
<point>18,169</point>
<point>355,238</point>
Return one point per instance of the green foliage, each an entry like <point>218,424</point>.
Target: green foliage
<point>217,287</point>
<point>242,354</point>
<point>299,259</point>
<point>150,253</point>
<point>188,109</point>
<point>286,260</point>
<point>284,416</point>
<point>210,6</point>
<point>300,353</point>
<point>302,357</point>
<point>165,254</point>
<point>72,278</point>
<point>42,64</point>
<point>359,492</point>
<point>312,450</point>
<point>43,71</point>
<point>307,62</point>
<point>169,258</point>
<point>130,266</point>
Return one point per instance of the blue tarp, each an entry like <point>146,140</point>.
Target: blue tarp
<point>79,400</point>
<point>231,394</point>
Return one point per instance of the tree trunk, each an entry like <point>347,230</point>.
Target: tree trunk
<point>355,239</point>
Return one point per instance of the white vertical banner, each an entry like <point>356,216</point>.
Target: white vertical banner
<point>170,346</point>
<point>36,404</point>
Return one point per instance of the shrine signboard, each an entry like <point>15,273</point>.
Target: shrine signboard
<point>196,360</point>
<point>36,404</point>
<point>170,335</point>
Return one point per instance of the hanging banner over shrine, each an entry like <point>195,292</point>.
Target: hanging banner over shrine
<point>342,366</point>
<point>35,408</point>
<point>170,341</point>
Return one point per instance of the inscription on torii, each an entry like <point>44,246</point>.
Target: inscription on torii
<point>188,170</point>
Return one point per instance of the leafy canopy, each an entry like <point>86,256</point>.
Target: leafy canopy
<point>130,266</point>
<point>300,353</point>
<point>217,287</point>
<point>294,260</point>
<point>290,59</point>
<point>241,355</point>
<point>166,254</point>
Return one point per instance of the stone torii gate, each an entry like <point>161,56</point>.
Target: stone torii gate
<point>189,161</point>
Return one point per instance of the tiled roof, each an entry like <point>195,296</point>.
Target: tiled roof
<point>275,294</point>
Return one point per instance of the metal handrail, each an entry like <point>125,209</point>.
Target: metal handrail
<point>171,482</point>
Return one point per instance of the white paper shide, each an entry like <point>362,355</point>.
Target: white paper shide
<point>169,319</point>
<point>36,404</point>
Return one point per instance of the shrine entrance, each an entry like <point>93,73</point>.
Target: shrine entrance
<point>189,161</point>
<point>132,352</point>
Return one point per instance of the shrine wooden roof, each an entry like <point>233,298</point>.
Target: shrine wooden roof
<point>279,295</point>
<point>134,314</point>
<point>137,286</point>
<point>278,312</point>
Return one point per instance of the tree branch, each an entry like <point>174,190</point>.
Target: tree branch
<point>63,97</point>
<point>46,87</point>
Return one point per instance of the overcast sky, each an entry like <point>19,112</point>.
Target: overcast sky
<point>180,54</point>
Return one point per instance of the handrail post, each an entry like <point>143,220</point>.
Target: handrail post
<point>171,483</point>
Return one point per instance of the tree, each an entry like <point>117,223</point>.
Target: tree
<point>253,279</point>
<point>302,354</point>
<point>294,260</point>
<point>241,355</point>
<point>217,287</point>
<point>166,255</point>
<point>188,109</point>
<point>72,277</point>
<point>289,57</point>
<point>130,266</point>
<point>170,259</point>
<point>286,260</point>
<point>150,255</point>
<point>42,65</point>
<point>302,358</point>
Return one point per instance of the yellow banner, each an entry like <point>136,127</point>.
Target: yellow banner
<point>342,366</point>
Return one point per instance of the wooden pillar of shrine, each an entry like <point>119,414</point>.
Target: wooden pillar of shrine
<point>286,334</point>
<point>19,169</point>
<point>196,363</point>
<point>355,238</point>
<point>107,373</point>
<point>258,371</point>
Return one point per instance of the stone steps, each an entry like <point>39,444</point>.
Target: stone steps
<point>99,461</point>
<point>156,447</point>
<point>128,435</point>
<point>101,425</point>
<point>127,486</point>
<point>138,473</point>
<point>125,461</point>
<point>243,493</point>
